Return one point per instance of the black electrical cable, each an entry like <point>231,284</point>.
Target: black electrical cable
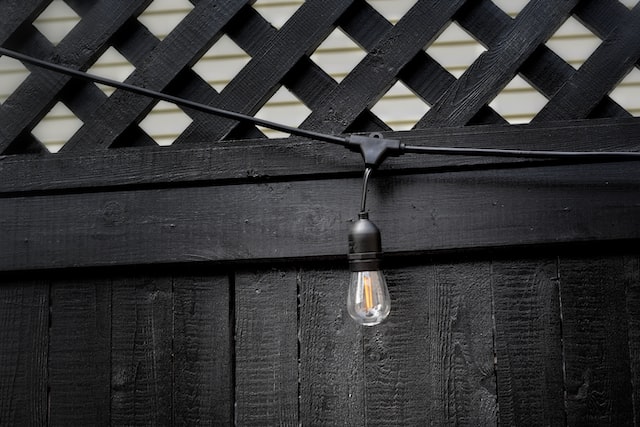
<point>349,142</point>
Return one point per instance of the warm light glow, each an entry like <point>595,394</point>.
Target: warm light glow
<point>368,301</point>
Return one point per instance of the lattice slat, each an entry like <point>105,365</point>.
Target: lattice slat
<point>496,67</point>
<point>280,56</point>
<point>41,89</point>
<point>598,75</point>
<point>259,80</point>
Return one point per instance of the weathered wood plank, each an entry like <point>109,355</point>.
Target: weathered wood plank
<point>191,38</point>
<point>599,74</point>
<point>79,352</point>
<point>16,13</point>
<point>632,272</point>
<point>544,69</point>
<point>378,71</point>
<point>33,99</point>
<point>266,348</point>
<point>596,341</point>
<point>331,360</point>
<point>256,160</point>
<point>261,77</point>
<point>528,342</point>
<point>431,362</point>
<point>495,68</point>
<point>475,209</point>
<point>202,339</point>
<point>141,351</point>
<point>24,338</point>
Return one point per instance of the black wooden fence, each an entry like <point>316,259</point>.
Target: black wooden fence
<point>205,283</point>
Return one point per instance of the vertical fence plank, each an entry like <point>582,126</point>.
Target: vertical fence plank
<point>141,351</point>
<point>632,271</point>
<point>595,333</point>
<point>431,363</point>
<point>331,364</point>
<point>24,338</point>
<point>80,344</point>
<point>528,341</point>
<point>266,348</point>
<point>203,387</point>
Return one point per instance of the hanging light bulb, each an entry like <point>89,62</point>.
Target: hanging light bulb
<point>368,301</point>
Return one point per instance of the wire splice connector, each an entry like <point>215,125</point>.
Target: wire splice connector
<point>374,148</point>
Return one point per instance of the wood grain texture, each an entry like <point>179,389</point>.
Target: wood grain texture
<point>84,43</point>
<point>190,39</point>
<point>378,71</point>
<point>202,339</point>
<point>431,362</point>
<point>599,74</point>
<point>495,68</point>
<point>24,340</point>
<point>596,341</point>
<point>266,391</point>
<point>310,218</point>
<point>141,351</point>
<point>79,352</point>
<point>544,69</point>
<point>632,272</point>
<point>332,389</point>
<point>528,342</point>
<point>255,161</point>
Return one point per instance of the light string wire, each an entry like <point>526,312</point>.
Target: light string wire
<point>318,136</point>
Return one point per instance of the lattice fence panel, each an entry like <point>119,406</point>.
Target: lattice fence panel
<point>276,63</point>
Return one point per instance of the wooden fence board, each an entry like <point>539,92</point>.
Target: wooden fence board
<point>632,272</point>
<point>79,352</point>
<point>528,342</point>
<point>331,374</point>
<point>266,348</point>
<point>431,362</point>
<point>24,338</point>
<point>309,218</point>
<point>256,161</point>
<point>202,339</point>
<point>141,351</point>
<point>596,341</point>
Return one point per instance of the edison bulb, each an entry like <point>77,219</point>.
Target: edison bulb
<point>368,301</point>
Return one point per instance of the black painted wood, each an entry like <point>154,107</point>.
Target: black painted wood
<point>266,351</point>
<point>86,41</point>
<point>632,274</point>
<point>256,161</point>
<point>24,338</point>
<point>332,387</point>
<point>79,363</point>
<point>528,342</point>
<point>599,75</point>
<point>141,351</point>
<point>596,341</point>
<point>454,210</point>
<point>378,71</point>
<point>432,361</point>
<point>495,68</point>
<point>202,348</point>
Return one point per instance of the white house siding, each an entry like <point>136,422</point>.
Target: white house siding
<point>400,108</point>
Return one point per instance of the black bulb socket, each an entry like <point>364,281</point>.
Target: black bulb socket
<point>365,247</point>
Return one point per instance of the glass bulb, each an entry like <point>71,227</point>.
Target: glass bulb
<point>368,301</point>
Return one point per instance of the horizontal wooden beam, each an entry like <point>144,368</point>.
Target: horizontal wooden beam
<point>295,158</point>
<point>310,218</point>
